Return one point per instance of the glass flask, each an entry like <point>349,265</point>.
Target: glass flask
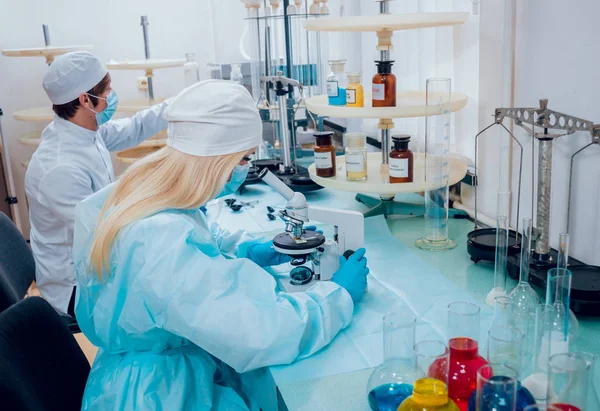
<point>356,157</point>
<point>498,389</point>
<point>593,402</point>
<point>568,381</point>
<point>463,334</point>
<point>524,296</point>
<point>432,360</point>
<point>503,312</point>
<point>558,295</point>
<point>500,270</point>
<point>429,394</point>
<point>191,72</point>
<point>392,382</point>
<point>437,166</point>
<point>505,344</point>
<point>336,83</point>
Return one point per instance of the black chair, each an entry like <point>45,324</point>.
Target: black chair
<point>17,268</point>
<point>42,366</point>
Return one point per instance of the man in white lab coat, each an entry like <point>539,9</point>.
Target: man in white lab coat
<point>73,162</point>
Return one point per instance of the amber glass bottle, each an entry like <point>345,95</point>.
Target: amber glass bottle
<point>325,154</point>
<point>384,85</point>
<point>401,160</point>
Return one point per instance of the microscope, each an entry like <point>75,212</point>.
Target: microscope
<point>314,257</point>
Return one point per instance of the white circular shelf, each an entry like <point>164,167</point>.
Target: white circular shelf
<point>149,64</point>
<point>31,139</point>
<point>386,22</point>
<point>135,106</point>
<point>35,114</point>
<point>408,104</point>
<point>49,51</point>
<point>378,183</point>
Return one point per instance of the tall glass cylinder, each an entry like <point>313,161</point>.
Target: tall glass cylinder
<point>256,63</point>
<point>496,388</point>
<point>500,270</point>
<point>558,294</point>
<point>392,382</point>
<point>505,345</point>
<point>525,297</point>
<point>432,359</point>
<point>563,251</point>
<point>568,382</point>
<point>437,165</point>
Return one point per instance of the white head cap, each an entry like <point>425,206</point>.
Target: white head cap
<point>71,75</point>
<point>212,118</point>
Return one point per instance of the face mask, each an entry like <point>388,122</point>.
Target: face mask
<point>237,179</point>
<point>111,100</point>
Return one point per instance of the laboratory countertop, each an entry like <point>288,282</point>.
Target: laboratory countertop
<point>322,383</point>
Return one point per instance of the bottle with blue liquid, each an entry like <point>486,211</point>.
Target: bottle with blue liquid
<point>392,382</point>
<point>336,83</point>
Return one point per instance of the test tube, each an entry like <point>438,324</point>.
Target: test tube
<point>568,381</point>
<point>563,251</point>
<point>437,165</point>
<point>505,344</point>
<point>496,388</point>
<point>432,359</point>
<point>500,261</point>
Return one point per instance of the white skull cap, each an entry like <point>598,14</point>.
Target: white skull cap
<point>212,118</point>
<point>71,75</point>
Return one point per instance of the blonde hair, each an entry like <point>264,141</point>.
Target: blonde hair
<point>167,179</point>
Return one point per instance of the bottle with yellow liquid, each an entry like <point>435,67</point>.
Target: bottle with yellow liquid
<point>429,394</point>
<point>356,157</point>
<point>355,96</point>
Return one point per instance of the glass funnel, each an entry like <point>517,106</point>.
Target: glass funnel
<point>524,296</point>
<point>568,382</point>
<point>392,382</point>
<point>437,166</point>
<point>463,334</point>
<point>558,295</point>
<point>500,271</point>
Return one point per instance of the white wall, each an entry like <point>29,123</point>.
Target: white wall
<point>113,27</point>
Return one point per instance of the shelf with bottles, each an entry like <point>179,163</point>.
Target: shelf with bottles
<point>33,138</point>
<point>386,22</point>
<point>49,52</point>
<point>146,64</point>
<point>35,114</point>
<point>377,181</point>
<point>409,103</point>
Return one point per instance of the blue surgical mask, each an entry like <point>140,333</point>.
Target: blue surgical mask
<point>112,100</point>
<point>237,179</point>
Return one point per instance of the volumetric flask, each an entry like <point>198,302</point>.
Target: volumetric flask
<point>437,166</point>
<point>392,382</point>
<point>558,295</point>
<point>505,345</point>
<point>568,382</point>
<point>525,297</point>
<point>500,271</point>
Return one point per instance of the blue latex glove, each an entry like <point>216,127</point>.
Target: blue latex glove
<point>352,274</point>
<point>265,255</point>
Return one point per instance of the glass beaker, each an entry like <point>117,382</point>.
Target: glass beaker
<point>463,335</point>
<point>437,165</point>
<point>524,296</point>
<point>500,260</point>
<point>392,382</point>
<point>558,294</point>
<point>429,394</point>
<point>593,403</point>
<point>191,71</point>
<point>568,381</point>
<point>505,344</point>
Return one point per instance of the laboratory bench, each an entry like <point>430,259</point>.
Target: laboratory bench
<point>402,276</point>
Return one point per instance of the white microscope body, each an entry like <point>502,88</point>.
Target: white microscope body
<point>349,231</point>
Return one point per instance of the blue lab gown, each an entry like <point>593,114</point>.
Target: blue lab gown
<point>181,306</point>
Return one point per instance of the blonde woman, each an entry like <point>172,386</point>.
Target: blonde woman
<point>173,303</point>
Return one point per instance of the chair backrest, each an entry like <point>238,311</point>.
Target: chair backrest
<point>42,366</point>
<point>17,266</point>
